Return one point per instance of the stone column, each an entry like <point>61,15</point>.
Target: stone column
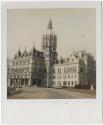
<point>9,81</point>
<point>24,82</point>
<point>29,82</point>
<point>17,82</point>
<point>20,82</point>
<point>14,82</point>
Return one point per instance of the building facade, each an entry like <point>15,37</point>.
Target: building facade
<point>43,68</point>
<point>78,69</point>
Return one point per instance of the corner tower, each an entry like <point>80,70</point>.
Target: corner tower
<point>49,45</point>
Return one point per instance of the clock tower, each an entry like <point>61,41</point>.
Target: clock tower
<point>49,45</point>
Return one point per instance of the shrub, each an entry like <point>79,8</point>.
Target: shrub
<point>82,86</point>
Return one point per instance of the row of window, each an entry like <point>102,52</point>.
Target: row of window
<point>20,73</point>
<point>20,70</point>
<point>66,70</point>
<point>65,83</point>
<point>28,62</point>
<point>46,46</point>
<point>21,62</point>
<point>18,76</point>
<point>65,76</point>
<point>38,63</point>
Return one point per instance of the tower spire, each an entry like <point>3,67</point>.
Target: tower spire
<point>50,24</point>
<point>19,52</point>
<point>33,44</point>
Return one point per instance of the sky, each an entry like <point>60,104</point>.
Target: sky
<point>75,29</point>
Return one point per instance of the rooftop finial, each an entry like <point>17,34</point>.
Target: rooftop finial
<point>19,52</point>
<point>50,24</point>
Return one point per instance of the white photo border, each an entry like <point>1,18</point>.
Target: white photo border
<point>47,110</point>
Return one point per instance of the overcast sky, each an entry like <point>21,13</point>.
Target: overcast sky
<point>75,29</point>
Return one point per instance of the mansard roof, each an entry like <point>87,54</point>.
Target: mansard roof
<point>18,54</point>
<point>25,53</point>
<point>76,57</point>
<point>33,52</point>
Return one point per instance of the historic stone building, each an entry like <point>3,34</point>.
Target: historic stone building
<point>28,68</point>
<point>43,68</point>
<point>78,69</point>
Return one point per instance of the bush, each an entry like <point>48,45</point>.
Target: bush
<point>82,87</point>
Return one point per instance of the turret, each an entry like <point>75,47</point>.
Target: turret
<point>49,45</point>
<point>49,42</point>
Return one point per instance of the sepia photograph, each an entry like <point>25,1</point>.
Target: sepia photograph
<point>51,62</point>
<point>51,53</point>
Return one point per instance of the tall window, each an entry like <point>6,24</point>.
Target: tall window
<point>68,82</point>
<point>54,77</point>
<point>65,71</point>
<point>59,70</point>
<point>53,70</point>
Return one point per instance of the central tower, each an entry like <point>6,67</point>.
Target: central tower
<point>49,45</point>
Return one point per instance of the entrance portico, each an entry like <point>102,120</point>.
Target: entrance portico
<point>36,82</point>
